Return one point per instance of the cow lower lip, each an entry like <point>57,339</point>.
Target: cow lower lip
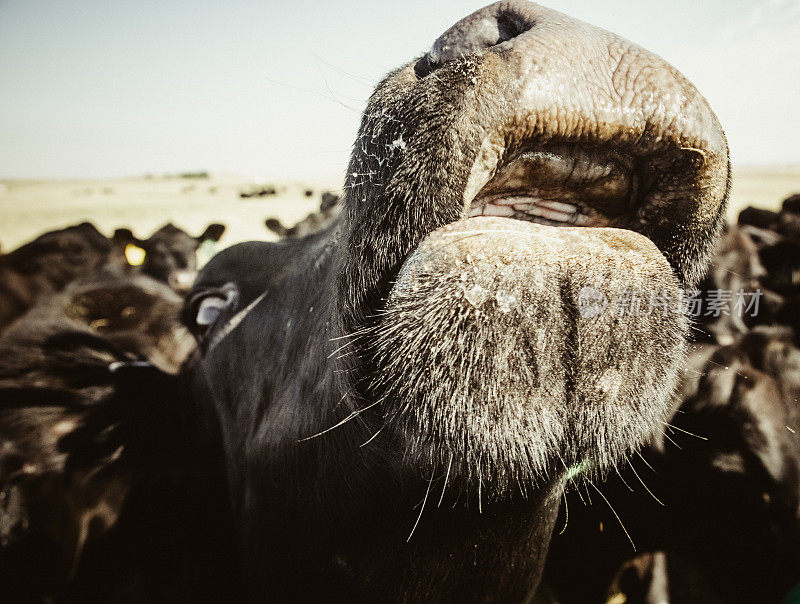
<point>627,240</point>
<point>519,296</point>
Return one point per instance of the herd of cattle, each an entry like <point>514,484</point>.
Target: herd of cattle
<point>73,302</point>
<point>728,474</point>
<point>466,382</point>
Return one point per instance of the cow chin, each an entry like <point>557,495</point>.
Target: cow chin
<point>510,353</point>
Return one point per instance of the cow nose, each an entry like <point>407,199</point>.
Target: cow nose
<point>488,27</point>
<point>181,280</point>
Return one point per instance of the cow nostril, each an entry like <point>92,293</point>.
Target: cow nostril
<point>483,29</point>
<point>510,25</point>
<point>424,67</point>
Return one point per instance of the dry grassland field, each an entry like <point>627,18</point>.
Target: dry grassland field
<point>31,207</point>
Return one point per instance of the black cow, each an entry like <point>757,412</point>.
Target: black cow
<point>399,400</point>
<point>733,490</point>
<point>727,302</point>
<point>758,217</point>
<point>789,217</point>
<point>53,373</point>
<point>51,261</point>
<point>48,263</point>
<point>754,280</point>
<point>400,407</point>
<point>786,221</point>
<point>782,263</point>
<point>714,511</point>
<point>170,253</point>
<point>329,209</point>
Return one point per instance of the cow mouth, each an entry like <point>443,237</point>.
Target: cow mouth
<point>507,286</point>
<point>563,185</point>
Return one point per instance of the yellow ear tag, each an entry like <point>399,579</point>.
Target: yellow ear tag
<point>134,254</point>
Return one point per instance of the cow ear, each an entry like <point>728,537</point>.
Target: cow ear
<point>213,232</point>
<point>274,225</point>
<point>123,236</point>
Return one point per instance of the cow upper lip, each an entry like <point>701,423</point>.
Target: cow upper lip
<point>561,184</point>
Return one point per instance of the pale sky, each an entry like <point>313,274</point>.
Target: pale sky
<point>106,88</point>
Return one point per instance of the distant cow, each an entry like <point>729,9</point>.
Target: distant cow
<point>170,253</point>
<point>778,242</point>
<point>315,222</point>
<point>134,312</point>
<point>54,370</point>
<point>782,263</point>
<point>47,264</point>
<point>789,217</point>
<point>786,221</point>
<point>715,509</point>
<point>734,277</point>
<point>743,446</point>
<point>758,217</point>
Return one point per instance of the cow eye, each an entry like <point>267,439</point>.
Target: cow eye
<point>204,309</point>
<point>208,310</point>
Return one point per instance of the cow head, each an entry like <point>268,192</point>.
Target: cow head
<point>169,254</point>
<point>496,311</point>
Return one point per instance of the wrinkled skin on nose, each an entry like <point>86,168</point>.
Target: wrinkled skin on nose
<point>515,74</point>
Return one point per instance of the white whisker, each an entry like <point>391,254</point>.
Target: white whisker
<point>449,465</point>
<point>635,473</point>
<point>566,514</point>
<point>613,511</point>
<point>422,509</point>
<point>353,415</point>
